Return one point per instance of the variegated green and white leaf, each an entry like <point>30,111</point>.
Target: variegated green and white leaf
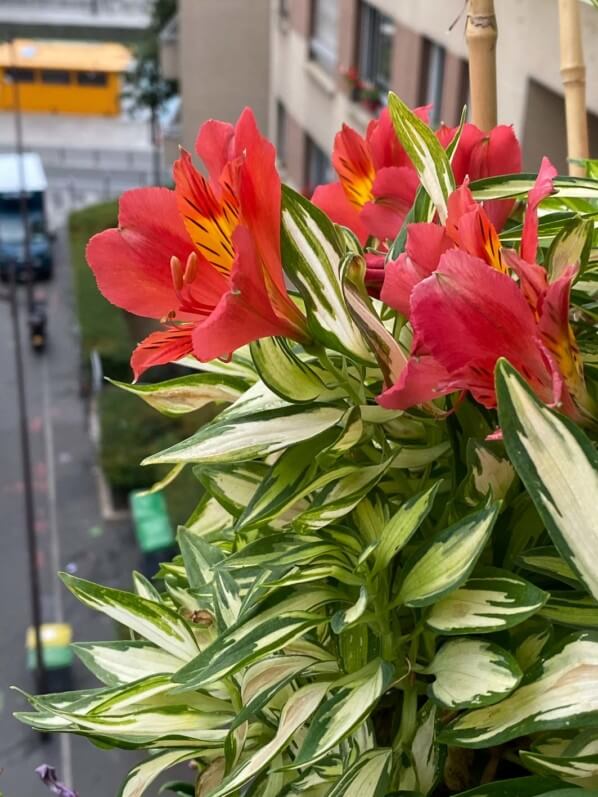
<point>369,775</point>
<point>341,496</point>
<point>297,711</point>
<point>291,378</point>
<point>200,558</point>
<point>312,252</point>
<point>238,439</point>
<point>233,487</point>
<point>227,599</point>
<point>425,152</point>
<point>264,679</point>
<point>472,672</point>
<point>118,663</point>
<point>239,365</point>
<point>239,647</point>
<point>485,605</point>
<point>144,587</point>
<point>341,713</point>
<point>571,246</point>
<point>345,618</point>
<point>415,457</point>
<point>514,186</point>
<point>401,527</point>
<point>547,561</point>
<point>187,393</point>
<point>491,474</point>
<point>530,639</point>
<point>153,621</point>
<point>580,770</point>
<point>425,750</point>
<point>210,520</point>
<point>561,692</point>
<point>571,609</point>
<point>559,466</point>
<point>446,561</point>
<point>141,777</point>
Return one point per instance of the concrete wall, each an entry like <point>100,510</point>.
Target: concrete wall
<point>223,61</point>
<point>528,58</point>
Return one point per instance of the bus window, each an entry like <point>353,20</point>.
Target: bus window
<point>19,75</point>
<point>92,78</point>
<point>56,77</point>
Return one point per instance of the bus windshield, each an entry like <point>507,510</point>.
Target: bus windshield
<point>11,228</point>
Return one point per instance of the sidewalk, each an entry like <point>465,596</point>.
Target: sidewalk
<point>71,536</point>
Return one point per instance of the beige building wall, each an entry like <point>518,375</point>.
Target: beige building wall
<point>529,91</point>
<point>222,59</point>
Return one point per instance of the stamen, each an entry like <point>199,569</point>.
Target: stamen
<point>176,269</point>
<point>191,268</point>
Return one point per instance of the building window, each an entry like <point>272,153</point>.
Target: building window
<point>56,77</point>
<point>19,75</point>
<point>433,79</point>
<point>284,9</point>
<point>281,133</point>
<point>324,33</point>
<point>318,167</point>
<point>374,48</point>
<point>92,78</point>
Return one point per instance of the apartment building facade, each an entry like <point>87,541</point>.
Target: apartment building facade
<point>218,51</point>
<point>333,61</point>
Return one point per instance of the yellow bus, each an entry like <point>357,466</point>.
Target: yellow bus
<point>63,77</point>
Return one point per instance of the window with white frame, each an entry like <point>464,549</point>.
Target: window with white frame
<point>374,47</point>
<point>433,79</point>
<point>318,167</point>
<point>323,45</point>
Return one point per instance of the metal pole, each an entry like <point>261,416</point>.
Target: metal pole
<point>156,160</point>
<point>22,185</point>
<point>36,609</point>
<point>573,72</point>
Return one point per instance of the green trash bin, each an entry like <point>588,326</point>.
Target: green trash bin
<point>153,530</point>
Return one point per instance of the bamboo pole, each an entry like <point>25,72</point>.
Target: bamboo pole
<point>481,33</point>
<point>573,73</point>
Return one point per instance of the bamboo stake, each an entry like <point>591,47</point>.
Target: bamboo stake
<point>573,73</point>
<point>481,33</point>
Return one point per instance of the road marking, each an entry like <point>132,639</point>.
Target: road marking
<point>66,755</point>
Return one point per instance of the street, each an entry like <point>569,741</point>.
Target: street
<point>70,534</point>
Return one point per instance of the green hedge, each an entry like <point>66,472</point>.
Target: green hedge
<point>103,326</point>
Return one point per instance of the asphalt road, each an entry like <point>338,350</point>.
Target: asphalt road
<point>70,534</point>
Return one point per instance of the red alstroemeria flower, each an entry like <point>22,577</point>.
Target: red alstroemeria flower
<point>467,311</point>
<point>204,258</point>
<point>377,182</point>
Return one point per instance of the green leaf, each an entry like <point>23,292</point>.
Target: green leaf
<point>369,775</point>
<point>560,692</point>
<point>580,769</point>
<point>401,527</point>
<point>292,379</point>
<point>344,618</point>
<point>425,751</point>
<point>472,672</point>
<point>298,709</point>
<point>232,440</point>
<point>571,246</point>
<point>520,787</point>
<point>545,560</point>
<point>312,252</point>
<point>187,393</point>
<point>199,556</point>
<point>210,520</point>
<point>118,663</point>
<point>153,621</point>
<point>485,605</point>
<point>491,474</point>
<point>445,562</point>
<point>341,713</point>
<point>425,152</point>
<point>571,609</point>
<point>232,486</point>
<point>559,467</point>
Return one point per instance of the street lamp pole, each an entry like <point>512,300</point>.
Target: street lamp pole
<point>19,148</point>
<point>32,550</point>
